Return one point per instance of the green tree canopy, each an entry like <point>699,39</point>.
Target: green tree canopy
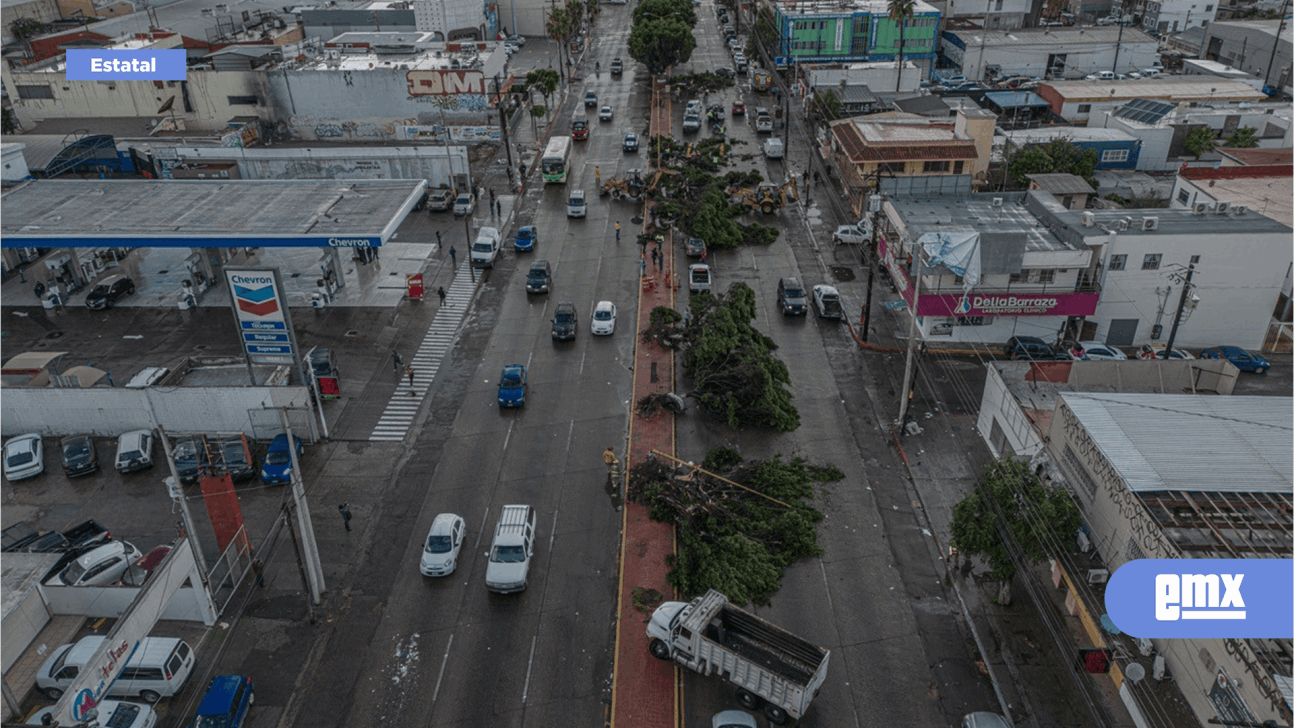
<point>1243,138</point>
<point>24,28</point>
<point>543,80</point>
<point>1060,156</point>
<point>732,363</point>
<point>661,43</point>
<point>649,10</point>
<point>1038,517</point>
<point>826,106</point>
<point>1200,141</point>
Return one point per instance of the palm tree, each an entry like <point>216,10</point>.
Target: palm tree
<point>900,11</point>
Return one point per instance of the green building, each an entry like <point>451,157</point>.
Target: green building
<point>852,30</point>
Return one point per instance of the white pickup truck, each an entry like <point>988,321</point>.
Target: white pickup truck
<point>859,233</point>
<point>486,248</point>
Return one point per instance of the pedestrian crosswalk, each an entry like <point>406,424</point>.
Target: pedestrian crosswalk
<point>400,412</point>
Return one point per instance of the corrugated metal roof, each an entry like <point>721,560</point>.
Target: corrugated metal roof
<point>1192,443</point>
<point>1015,99</point>
<point>1059,183</point>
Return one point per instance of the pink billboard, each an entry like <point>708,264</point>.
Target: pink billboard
<point>988,302</point>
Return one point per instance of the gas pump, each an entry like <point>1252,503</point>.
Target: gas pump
<point>330,281</point>
<point>62,274</point>
<point>188,299</point>
<point>200,276</point>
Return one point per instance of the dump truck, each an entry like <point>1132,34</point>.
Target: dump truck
<point>770,666</point>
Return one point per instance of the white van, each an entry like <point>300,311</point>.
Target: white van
<point>576,205</point>
<point>147,377</point>
<point>134,451</point>
<point>156,670</point>
<point>773,148</point>
<point>514,544</point>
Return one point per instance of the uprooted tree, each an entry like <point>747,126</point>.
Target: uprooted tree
<point>1036,520</point>
<point>739,525</point>
<point>732,365</point>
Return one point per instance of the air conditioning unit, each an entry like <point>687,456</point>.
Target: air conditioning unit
<point>1210,206</point>
<point>1121,225</point>
<point>1089,219</point>
<point>1084,543</point>
<point>1222,208</point>
<point>1200,208</point>
<point>1239,210</point>
<point>1098,576</point>
<point>1150,223</point>
<point>997,201</point>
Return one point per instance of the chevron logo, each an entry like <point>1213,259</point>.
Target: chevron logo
<point>256,301</point>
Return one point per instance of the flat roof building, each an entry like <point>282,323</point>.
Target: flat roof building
<point>987,54</point>
<point>1077,101</point>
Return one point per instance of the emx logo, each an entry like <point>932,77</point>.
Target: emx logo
<point>1203,598</point>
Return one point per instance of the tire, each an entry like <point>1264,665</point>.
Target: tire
<point>130,291</point>
<point>149,696</point>
<point>659,649</point>
<point>53,693</point>
<point>749,700</point>
<point>1260,370</point>
<point>775,714</point>
<point>767,208</point>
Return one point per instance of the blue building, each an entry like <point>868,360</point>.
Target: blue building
<point>1115,149</point>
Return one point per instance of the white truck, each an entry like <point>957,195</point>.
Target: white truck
<point>763,122</point>
<point>486,248</point>
<point>770,666</point>
<point>858,234</point>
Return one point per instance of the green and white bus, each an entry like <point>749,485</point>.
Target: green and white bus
<point>556,161</point>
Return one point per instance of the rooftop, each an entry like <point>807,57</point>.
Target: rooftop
<point>1267,190</point>
<point>1062,184</point>
<point>1010,224</point>
<point>901,140</point>
<point>1175,222</point>
<point>1258,156</point>
<point>1073,133</point>
<point>1052,36</point>
<point>202,213</point>
<point>1015,99</point>
<point>842,7</point>
<point>1238,444</point>
<point>1270,27</point>
<point>1178,88</point>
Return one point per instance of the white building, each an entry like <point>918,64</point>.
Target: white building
<point>13,162</point>
<point>1172,16</point>
<point>1049,52</point>
<point>373,87</point>
<point>1162,127</point>
<point>992,14</point>
<point>451,19</point>
<point>1078,101</point>
<point>878,76</point>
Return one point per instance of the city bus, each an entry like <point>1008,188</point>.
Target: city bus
<point>556,161</point>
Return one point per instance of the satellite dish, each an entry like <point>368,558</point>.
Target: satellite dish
<point>1135,672</point>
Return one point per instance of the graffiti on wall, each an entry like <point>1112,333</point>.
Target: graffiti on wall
<point>308,126</point>
<point>445,83</point>
<point>460,134</point>
<point>244,136</point>
<point>475,103</point>
<point>358,169</point>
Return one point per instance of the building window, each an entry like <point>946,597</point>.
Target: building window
<point>894,167</point>
<point>1208,8</point>
<point>958,166</point>
<point>974,320</point>
<point>936,167</point>
<point>1114,155</point>
<point>1151,261</point>
<point>1195,259</point>
<point>1118,262</point>
<point>1084,108</point>
<point>1133,551</point>
<point>1046,276</point>
<point>1184,197</point>
<point>1074,469</point>
<point>1017,277</point>
<point>37,91</point>
<point>243,100</point>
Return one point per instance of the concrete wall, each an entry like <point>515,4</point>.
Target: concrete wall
<point>25,611</point>
<point>1156,142</point>
<point>1031,59</point>
<point>14,162</point>
<point>432,163</point>
<point>110,411</point>
<point>878,77</point>
<point>999,406</point>
<point>113,601</point>
<point>1238,285</point>
<point>1244,45</point>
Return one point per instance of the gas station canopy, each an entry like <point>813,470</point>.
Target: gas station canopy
<point>205,214</point>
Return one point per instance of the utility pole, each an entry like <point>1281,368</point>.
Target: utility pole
<point>1181,306</point>
<point>309,549</point>
<point>467,232</point>
<point>177,492</point>
<point>912,343</point>
<point>875,202</point>
<point>1118,45</point>
<point>1276,42</point>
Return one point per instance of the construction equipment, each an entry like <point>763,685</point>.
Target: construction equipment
<point>768,198</point>
<point>633,185</point>
<point>761,81</point>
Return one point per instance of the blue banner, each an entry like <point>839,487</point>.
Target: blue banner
<point>106,64</point>
<point>1212,598</point>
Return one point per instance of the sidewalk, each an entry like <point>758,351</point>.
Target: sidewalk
<point>644,689</point>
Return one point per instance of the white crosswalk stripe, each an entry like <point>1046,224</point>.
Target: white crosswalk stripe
<point>402,409</point>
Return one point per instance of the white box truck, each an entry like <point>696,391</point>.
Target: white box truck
<point>770,666</point>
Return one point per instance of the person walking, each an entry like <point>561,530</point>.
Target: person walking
<point>642,267</point>
<point>609,457</point>
<point>344,510</point>
<point>453,254</point>
<point>687,318</point>
<point>441,293</point>
<point>439,243</point>
<point>702,255</point>
<point>396,361</point>
<point>498,208</point>
<point>617,231</point>
<point>491,197</point>
<point>806,175</point>
<point>655,258</point>
<point>409,371</point>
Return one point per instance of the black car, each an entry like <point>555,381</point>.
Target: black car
<point>591,99</point>
<point>1030,348</point>
<point>630,144</point>
<point>540,277</point>
<point>190,459</point>
<point>791,298</point>
<point>109,291</point>
<point>564,321</point>
<point>237,458</point>
<point>79,456</point>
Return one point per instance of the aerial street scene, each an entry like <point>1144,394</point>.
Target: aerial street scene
<point>647,364</point>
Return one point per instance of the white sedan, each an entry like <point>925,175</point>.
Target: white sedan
<point>604,318</point>
<point>440,550</point>
<point>24,457</point>
<point>1096,351</point>
<point>605,113</point>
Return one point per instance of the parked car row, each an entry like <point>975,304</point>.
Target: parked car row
<point>1033,348</point>
<point>508,568</point>
<point>193,454</point>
